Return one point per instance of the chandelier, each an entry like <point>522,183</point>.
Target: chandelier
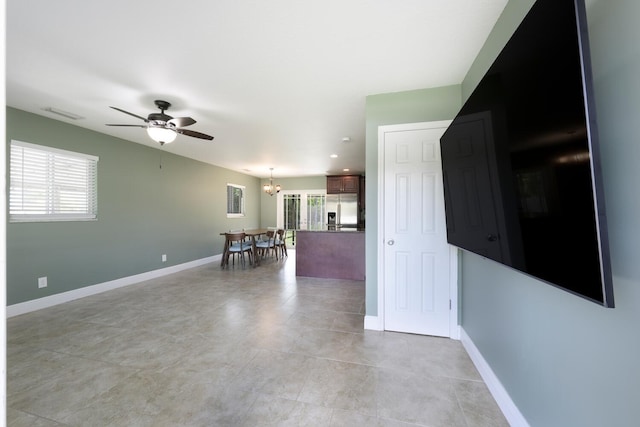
<point>270,188</point>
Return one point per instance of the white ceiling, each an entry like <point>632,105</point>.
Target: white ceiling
<point>279,83</point>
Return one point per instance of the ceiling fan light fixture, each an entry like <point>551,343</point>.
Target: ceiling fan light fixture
<point>163,128</point>
<point>161,134</point>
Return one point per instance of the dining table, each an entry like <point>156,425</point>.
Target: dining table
<point>252,233</point>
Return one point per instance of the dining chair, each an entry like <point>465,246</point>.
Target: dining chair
<point>280,242</point>
<point>237,244</point>
<point>266,243</point>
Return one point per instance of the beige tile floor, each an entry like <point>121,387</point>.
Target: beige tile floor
<point>237,347</point>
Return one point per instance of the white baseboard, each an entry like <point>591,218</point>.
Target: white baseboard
<point>502,398</point>
<point>373,323</point>
<point>455,332</point>
<point>50,301</point>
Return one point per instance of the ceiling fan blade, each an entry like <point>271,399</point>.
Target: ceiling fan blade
<point>131,114</point>
<point>194,134</point>
<point>131,126</point>
<point>181,121</point>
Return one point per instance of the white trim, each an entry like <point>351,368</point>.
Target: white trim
<point>453,266</point>
<point>280,203</point>
<point>54,150</point>
<point>380,245</point>
<point>242,212</point>
<point>49,184</point>
<point>320,191</point>
<point>3,227</point>
<point>502,398</point>
<point>373,323</point>
<point>17,218</point>
<point>50,301</point>
<point>454,328</point>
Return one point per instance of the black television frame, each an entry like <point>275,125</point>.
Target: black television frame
<point>485,128</point>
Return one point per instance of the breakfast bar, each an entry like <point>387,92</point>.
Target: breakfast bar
<point>331,254</point>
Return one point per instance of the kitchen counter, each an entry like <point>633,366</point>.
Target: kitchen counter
<point>338,230</point>
<point>331,254</point>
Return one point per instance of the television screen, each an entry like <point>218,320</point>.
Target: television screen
<point>521,162</point>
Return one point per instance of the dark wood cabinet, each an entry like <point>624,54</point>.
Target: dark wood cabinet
<point>334,184</point>
<point>337,184</point>
<point>351,184</point>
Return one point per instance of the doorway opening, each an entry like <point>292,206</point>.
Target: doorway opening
<point>301,210</point>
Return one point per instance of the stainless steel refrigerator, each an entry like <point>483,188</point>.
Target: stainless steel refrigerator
<point>344,208</point>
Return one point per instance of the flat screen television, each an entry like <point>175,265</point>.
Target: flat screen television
<point>521,164</point>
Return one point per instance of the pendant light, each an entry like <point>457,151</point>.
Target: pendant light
<point>270,188</point>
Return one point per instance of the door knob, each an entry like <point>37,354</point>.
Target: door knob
<point>390,242</point>
<point>492,237</point>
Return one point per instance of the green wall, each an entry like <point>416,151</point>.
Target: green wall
<point>144,211</point>
<point>425,105</point>
<point>563,360</point>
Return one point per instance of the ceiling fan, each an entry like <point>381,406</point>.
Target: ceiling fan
<point>162,127</point>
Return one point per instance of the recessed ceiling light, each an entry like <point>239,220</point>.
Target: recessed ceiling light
<point>345,170</point>
<point>346,139</point>
<point>334,156</point>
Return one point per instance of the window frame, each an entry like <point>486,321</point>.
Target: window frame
<point>51,206</point>
<point>242,212</point>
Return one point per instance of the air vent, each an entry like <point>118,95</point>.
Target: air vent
<point>63,113</point>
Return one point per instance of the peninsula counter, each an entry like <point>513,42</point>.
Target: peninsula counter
<point>330,254</point>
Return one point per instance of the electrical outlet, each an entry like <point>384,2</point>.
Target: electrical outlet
<point>42,282</point>
<point>164,257</point>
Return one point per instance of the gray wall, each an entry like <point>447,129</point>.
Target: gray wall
<point>425,105</point>
<point>563,360</point>
<point>144,211</point>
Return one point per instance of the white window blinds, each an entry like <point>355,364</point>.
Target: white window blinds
<point>235,200</point>
<point>48,184</point>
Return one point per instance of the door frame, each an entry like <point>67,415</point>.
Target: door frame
<point>280,201</point>
<point>454,326</point>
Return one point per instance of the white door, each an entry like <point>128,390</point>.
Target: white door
<point>416,258</point>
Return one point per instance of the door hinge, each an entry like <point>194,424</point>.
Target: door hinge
<point>449,304</point>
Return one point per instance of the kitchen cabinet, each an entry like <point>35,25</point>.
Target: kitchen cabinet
<point>337,184</point>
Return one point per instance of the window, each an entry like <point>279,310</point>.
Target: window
<point>235,200</point>
<point>48,184</point>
